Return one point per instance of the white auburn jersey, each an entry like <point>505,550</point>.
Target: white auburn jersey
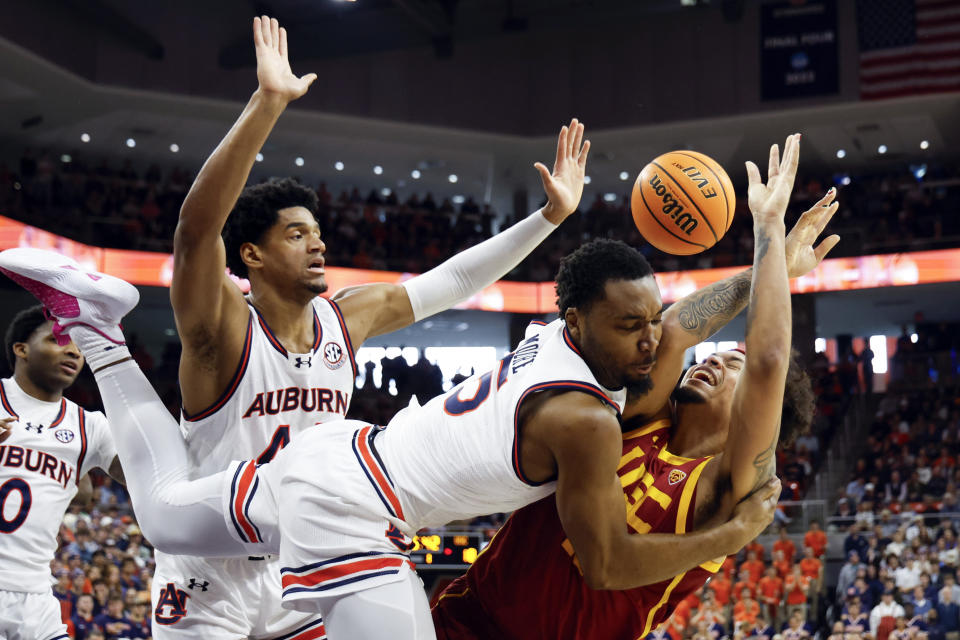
<point>274,395</point>
<point>50,447</point>
<point>458,455</point>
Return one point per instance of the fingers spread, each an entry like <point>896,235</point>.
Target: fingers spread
<point>274,33</point>
<point>283,43</point>
<point>577,140</point>
<point>265,31</point>
<point>584,152</point>
<point>773,166</point>
<point>561,145</point>
<point>257,33</point>
<point>825,246</point>
<point>544,173</point>
<point>753,173</point>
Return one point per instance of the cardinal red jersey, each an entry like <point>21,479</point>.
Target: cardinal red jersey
<point>527,583</point>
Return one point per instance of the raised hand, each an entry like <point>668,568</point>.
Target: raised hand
<point>772,198</point>
<point>565,185</point>
<point>755,512</point>
<point>273,67</point>
<point>802,256</point>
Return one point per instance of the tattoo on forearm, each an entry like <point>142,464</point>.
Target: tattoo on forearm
<point>703,313</point>
<point>764,464</point>
<point>760,251</point>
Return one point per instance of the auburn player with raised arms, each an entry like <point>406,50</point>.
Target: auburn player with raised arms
<point>257,370</point>
<point>47,443</point>
<point>670,469</point>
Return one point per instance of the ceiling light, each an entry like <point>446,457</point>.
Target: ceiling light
<point>924,144</point>
<point>882,149</point>
<point>131,143</point>
<point>174,147</point>
<point>458,199</point>
<point>587,180</point>
<point>84,137</point>
<point>378,169</point>
<point>298,161</point>
<point>624,175</point>
<point>610,197</point>
<point>452,178</point>
<point>338,165</point>
<point>385,192</point>
<point>65,158</point>
<point>259,157</point>
<point>415,174</point>
<point>841,153</point>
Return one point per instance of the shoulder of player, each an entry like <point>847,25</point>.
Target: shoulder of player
<point>575,416</point>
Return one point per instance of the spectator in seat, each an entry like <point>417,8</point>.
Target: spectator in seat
<point>81,623</point>
<point>785,545</point>
<point>753,567</point>
<point>113,621</point>
<point>838,633</point>
<point>746,610</point>
<point>770,589</point>
<point>935,630</point>
<point>855,620</point>
<point>816,539</point>
<point>855,541</point>
<point>796,629</point>
<point>848,574</point>
<point>757,549</point>
<point>796,587</point>
<point>883,616</point>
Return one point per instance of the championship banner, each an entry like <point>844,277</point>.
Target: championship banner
<point>798,49</point>
<point>836,274</point>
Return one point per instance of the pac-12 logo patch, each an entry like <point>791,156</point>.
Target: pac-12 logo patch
<point>173,599</point>
<point>676,476</point>
<point>63,435</point>
<point>333,355</point>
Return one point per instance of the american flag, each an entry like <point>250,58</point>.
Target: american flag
<point>908,47</point>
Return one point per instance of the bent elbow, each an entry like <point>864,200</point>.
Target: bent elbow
<point>599,575</point>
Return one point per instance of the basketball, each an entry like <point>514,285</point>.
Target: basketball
<point>682,202</point>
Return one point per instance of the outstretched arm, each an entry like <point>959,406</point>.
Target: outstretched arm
<point>696,317</point>
<point>375,309</point>
<point>591,508</point>
<point>748,458</point>
<point>203,297</point>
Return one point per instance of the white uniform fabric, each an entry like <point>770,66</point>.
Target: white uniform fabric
<point>274,396</point>
<point>51,445</point>
<point>342,504</point>
<point>30,616</point>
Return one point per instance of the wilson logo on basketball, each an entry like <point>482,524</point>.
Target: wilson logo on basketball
<point>672,207</point>
<point>676,476</point>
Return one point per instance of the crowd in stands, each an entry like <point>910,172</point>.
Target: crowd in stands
<point>113,204</point>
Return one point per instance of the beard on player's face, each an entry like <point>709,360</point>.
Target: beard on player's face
<point>684,394</point>
<point>639,386</point>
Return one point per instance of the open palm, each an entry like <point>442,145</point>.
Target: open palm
<point>273,67</point>
<point>564,186</point>
<point>802,256</point>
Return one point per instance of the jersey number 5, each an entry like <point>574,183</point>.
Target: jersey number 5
<point>454,405</point>
<point>26,499</point>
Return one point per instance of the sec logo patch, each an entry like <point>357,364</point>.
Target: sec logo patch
<point>676,476</point>
<point>63,435</point>
<point>333,355</point>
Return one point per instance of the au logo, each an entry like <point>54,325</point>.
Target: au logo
<point>676,475</point>
<point>173,599</point>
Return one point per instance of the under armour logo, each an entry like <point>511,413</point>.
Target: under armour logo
<point>194,584</point>
<point>34,427</point>
<point>301,361</point>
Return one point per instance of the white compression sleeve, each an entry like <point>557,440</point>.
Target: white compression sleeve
<point>471,270</point>
<point>177,515</point>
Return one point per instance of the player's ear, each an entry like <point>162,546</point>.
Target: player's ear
<point>21,349</point>
<point>572,318</point>
<point>251,255</point>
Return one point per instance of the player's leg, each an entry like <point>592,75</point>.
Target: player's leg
<point>398,610</point>
<point>30,616</point>
<point>176,514</point>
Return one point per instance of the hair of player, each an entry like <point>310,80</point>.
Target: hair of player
<point>799,402</point>
<point>257,210</point>
<point>584,273</point>
<point>21,328</point>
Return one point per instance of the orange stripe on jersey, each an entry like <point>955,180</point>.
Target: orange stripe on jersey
<point>243,488</point>
<point>346,334</point>
<point>61,415</point>
<point>341,570</point>
<point>363,447</point>
<point>6,403</point>
<point>82,423</point>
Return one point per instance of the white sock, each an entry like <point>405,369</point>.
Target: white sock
<point>96,349</point>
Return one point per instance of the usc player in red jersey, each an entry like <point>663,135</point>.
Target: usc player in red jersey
<point>687,460</point>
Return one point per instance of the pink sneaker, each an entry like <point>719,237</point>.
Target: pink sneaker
<point>72,295</point>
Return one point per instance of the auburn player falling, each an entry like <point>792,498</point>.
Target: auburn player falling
<point>672,471</point>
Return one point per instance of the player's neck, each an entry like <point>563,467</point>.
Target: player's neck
<point>290,320</point>
<point>33,390</point>
<point>696,432</point>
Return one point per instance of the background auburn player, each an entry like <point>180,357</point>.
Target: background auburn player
<point>255,371</point>
<point>46,444</point>
<point>496,597</point>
